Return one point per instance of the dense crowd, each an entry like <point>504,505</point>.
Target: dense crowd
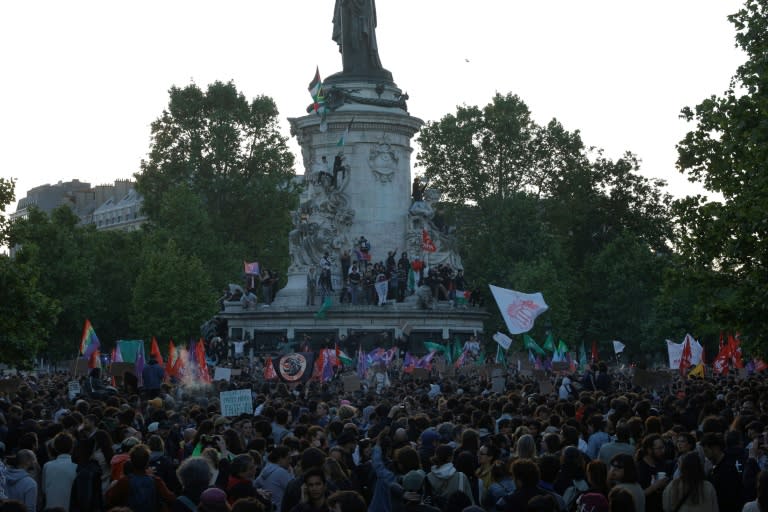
<point>595,443</point>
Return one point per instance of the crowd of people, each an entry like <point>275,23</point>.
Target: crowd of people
<point>595,442</point>
<point>364,282</point>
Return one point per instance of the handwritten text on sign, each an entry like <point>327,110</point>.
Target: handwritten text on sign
<point>235,403</point>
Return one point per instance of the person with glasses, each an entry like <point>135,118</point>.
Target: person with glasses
<point>486,457</point>
<point>622,474</point>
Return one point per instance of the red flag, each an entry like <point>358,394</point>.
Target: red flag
<point>595,355</point>
<point>154,351</point>
<point>269,370</point>
<point>720,364</point>
<point>427,245</point>
<point>201,363</point>
<point>179,365</point>
<point>95,360</point>
<point>760,365</point>
<point>317,373</point>
<point>734,347</point>
<point>685,359</point>
<point>170,363</point>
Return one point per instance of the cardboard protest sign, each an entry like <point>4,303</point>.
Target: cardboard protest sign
<point>351,383</point>
<point>79,367</point>
<point>651,379</point>
<point>498,385</point>
<point>235,403</point>
<point>10,385</point>
<point>73,389</point>
<point>222,373</point>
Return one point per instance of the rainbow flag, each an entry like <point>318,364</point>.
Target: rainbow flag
<point>89,341</point>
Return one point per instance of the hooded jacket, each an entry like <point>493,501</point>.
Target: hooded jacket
<point>22,487</point>
<point>445,480</point>
<point>274,478</point>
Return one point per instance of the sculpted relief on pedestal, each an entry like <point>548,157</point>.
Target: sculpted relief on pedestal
<point>383,161</point>
<point>322,222</point>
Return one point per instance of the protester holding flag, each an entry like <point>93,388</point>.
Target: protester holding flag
<point>152,377</point>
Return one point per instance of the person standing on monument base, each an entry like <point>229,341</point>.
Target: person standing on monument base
<point>355,279</point>
<point>311,285</point>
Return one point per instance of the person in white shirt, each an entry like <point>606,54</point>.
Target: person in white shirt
<point>60,473</point>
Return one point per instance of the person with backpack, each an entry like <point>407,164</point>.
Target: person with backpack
<point>444,479</point>
<point>139,491</point>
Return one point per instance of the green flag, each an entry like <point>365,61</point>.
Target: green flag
<point>458,348</point>
<point>582,357</point>
<point>501,355</point>
<point>434,347</point>
<point>562,347</point>
<point>481,360</point>
<point>549,344</point>
<point>530,344</point>
<point>327,303</point>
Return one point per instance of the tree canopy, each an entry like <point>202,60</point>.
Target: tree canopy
<point>723,240</point>
<point>225,155</point>
<point>537,210</point>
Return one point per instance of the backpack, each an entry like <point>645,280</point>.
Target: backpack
<point>143,496</point>
<point>187,503</point>
<point>572,493</point>
<point>86,489</point>
<point>438,497</point>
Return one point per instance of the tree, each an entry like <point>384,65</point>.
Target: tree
<point>27,316</point>
<point>535,209</point>
<point>477,153</point>
<point>229,154</point>
<point>173,295</point>
<point>57,248</point>
<point>724,241</point>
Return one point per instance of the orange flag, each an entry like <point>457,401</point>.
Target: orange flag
<point>154,351</point>
<point>269,370</point>
<point>201,363</point>
<point>172,356</point>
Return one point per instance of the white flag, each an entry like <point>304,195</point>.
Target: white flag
<point>518,309</point>
<point>696,349</point>
<point>618,346</point>
<point>675,353</point>
<point>503,340</point>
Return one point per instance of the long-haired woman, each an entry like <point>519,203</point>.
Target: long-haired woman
<point>691,492</point>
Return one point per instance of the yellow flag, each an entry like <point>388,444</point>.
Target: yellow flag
<point>698,371</point>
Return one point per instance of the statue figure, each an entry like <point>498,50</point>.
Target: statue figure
<point>354,30</point>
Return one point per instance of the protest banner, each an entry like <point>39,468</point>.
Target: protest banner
<point>222,373</point>
<point>235,403</point>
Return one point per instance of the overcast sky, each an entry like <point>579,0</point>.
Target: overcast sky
<point>83,80</point>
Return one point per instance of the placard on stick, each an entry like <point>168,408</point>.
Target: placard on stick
<point>235,403</point>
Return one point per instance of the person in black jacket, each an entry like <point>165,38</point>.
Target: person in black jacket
<point>725,475</point>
